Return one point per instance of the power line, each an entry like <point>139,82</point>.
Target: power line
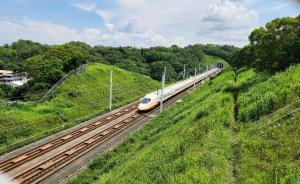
<point>281,117</point>
<point>276,112</point>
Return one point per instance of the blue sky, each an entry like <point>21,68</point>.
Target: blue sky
<point>140,23</point>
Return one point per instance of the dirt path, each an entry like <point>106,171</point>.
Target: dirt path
<point>235,131</point>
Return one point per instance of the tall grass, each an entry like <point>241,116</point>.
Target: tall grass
<point>270,154</point>
<point>269,95</point>
<point>270,146</point>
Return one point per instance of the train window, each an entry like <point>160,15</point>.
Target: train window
<point>146,100</point>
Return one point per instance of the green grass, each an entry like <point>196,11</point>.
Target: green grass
<point>197,141</point>
<point>270,153</point>
<point>78,98</point>
<point>188,143</point>
<point>269,148</point>
<point>264,97</point>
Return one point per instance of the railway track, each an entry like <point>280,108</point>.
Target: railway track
<point>34,173</point>
<point>31,154</point>
<point>44,168</point>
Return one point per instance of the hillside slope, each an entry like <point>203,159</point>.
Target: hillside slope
<point>189,142</point>
<point>79,97</point>
<point>202,139</point>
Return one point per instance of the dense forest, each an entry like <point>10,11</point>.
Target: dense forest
<point>47,64</point>
<point>272,48</point>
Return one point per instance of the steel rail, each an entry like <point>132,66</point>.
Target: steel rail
<point>57,160</point>
<point>46,147</point>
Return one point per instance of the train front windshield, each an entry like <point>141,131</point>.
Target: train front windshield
<point>145,100</point>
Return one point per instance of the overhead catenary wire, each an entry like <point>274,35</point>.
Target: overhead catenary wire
<point>277,111</point>
<point>281,117</point>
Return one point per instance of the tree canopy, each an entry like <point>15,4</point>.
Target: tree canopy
<point>46,64</point>
<point>273,47</point>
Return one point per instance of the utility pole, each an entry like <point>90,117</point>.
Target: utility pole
<point>195,78</point>
<point>206,70</point>
<point>162,89</point>
<point>110,89</point>
<point>184,71</point>
<point>199,68</point>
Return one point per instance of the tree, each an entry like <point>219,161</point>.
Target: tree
<point>1,64</point>
<point>157,68</point>
<point>243,57</point>
<point>277,45</point>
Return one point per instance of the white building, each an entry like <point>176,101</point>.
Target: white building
<point>13,79</point>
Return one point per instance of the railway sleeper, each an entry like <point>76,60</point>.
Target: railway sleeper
<point>33,152</point>
<point>109,118</point>
<point>117,126</point>
<point>83,129</point>
<point>20,158</point>
<point>135,116</point>
<point>126,110</point>
<point>67,137</point>
<point>28,177</point>
<point>46,146</point>
<point>127,120</point>
<point>119,113</point>
<point>105,132</point>
<point>97,123</point>
<point>89,141</point>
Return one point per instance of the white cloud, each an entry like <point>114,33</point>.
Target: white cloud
<point>147,23</point>
<point>228,21</point>
<point>49,33</point>
<point>92,7</point>
<point>109,27</point>
<point>105,15</point>
<point>84,6</point>
<point>192,21</point>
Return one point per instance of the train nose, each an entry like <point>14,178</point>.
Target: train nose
<point>141,107</point>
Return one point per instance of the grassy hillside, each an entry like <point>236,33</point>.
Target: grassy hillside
<point>78,98</point>
<point>206,139</point>
<point>189,142</point>
<point>269,146</point>
<point>214,59</point>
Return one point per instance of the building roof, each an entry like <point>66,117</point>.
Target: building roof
<point>6,72</point>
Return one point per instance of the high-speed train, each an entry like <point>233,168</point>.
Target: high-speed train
<point>151,100</point>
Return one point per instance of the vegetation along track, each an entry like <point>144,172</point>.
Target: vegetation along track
<point>39,171</point>
<point>31,154</point>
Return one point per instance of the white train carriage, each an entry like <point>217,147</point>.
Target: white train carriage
<point>151,100</point>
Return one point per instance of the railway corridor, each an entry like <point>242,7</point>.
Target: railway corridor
<point>34,162</point>
<point>41,163</point>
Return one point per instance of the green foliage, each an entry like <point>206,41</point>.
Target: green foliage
<point>225,51</point>
<point>272,48</point>
<point>47,64</point>
<point>157,68</point>
<point>6,91</point>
